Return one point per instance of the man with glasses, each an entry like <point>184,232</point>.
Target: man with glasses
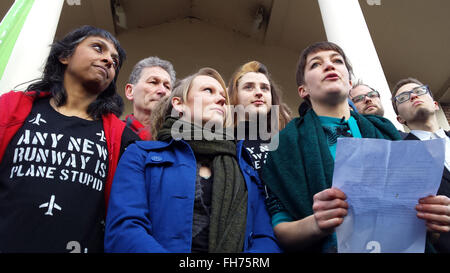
<point>416,108</point>
<point>366,99</point>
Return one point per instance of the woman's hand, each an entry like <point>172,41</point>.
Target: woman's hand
<point>329,208</point>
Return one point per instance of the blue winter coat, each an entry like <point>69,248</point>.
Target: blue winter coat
<point>152,201</point>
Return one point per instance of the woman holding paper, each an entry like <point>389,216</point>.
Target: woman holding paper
<point>305,211</point>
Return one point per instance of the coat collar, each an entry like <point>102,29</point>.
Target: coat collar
<point>156,145</point>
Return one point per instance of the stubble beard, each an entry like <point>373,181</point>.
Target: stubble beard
<point>422,114</point>
<point>378,112</point>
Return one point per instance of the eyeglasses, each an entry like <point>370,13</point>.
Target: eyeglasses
<point>372,94</point>
<point>419,91</point>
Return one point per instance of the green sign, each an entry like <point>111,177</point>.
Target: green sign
<point>10,28</point>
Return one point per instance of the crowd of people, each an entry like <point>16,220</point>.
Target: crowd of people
<point>200,166</point>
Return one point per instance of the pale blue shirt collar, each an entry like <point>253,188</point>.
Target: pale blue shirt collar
<point>426,135</point>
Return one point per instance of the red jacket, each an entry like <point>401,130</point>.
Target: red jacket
<point>15,107</point>
<point>137,127</point>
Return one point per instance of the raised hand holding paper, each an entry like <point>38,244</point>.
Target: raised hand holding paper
<point>383,181</point>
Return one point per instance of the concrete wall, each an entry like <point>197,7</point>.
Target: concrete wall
<point>444,116</point>
<point>191,44</point>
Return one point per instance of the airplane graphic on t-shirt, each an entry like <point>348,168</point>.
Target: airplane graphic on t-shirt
<point>50,205</point>
<point>102,136</point>
<point>38,119</point>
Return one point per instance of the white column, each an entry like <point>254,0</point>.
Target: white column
<point>32,46</point>
<point>345,25</point>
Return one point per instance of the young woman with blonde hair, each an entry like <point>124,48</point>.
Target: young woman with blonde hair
<point>259,112</point>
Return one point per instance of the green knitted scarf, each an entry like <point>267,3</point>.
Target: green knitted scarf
<point>229,193</point>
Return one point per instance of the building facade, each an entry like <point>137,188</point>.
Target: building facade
<point>385,40</point>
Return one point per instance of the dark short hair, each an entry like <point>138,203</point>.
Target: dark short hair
<point>53,77</point>
<point>399,85</point>
<point>314,48</point>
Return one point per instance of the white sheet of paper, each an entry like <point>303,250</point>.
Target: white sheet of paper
<point>383,181</point>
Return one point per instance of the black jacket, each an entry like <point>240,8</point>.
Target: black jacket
<point>443,244</point>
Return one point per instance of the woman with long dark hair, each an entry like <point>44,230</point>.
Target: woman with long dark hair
<point>60,142</point>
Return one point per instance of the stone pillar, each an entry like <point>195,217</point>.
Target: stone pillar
<point>29,29</point>
<point>345,25</point>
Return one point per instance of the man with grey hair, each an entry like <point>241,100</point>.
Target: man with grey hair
<point>151,79</point>
<point>366,99</point>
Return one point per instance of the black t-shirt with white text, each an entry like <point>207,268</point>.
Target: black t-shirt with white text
<point>255,146</point>
<point>52,181</point>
